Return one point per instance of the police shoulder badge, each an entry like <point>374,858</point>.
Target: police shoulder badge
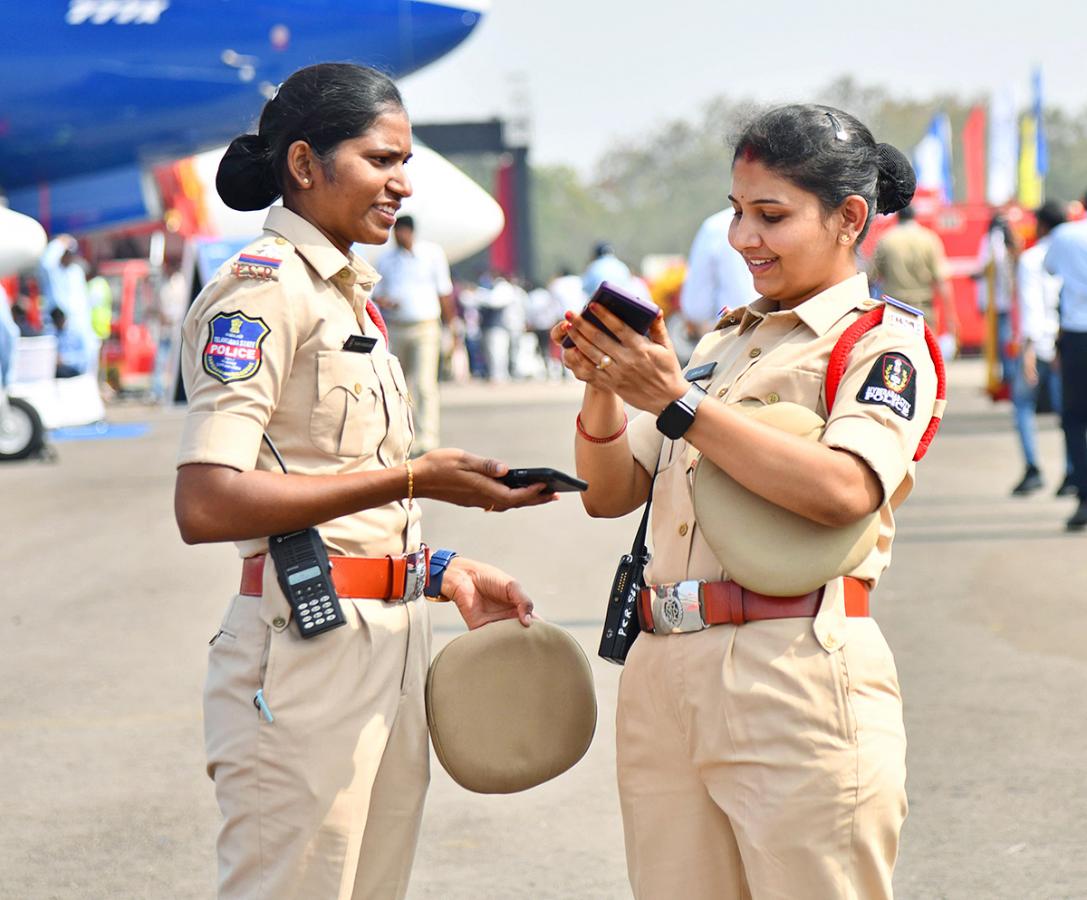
<point>892,382</point>
<point>232,352</point>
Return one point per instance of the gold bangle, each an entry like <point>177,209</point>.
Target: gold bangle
<point>411,481</point>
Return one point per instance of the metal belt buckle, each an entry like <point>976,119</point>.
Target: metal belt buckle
<point>415,576</point>
<point>677,608</point>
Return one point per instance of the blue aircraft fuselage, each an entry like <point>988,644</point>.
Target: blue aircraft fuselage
<point>92,85</point>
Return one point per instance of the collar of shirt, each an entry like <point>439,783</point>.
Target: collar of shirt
<point>819,313</point>
<point>327,260</point>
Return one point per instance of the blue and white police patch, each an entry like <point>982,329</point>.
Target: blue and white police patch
<point>892,382</point>
<point>232,352</point>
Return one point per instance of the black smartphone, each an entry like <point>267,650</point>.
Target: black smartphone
<point>638,314</point>
<point>553,480</point>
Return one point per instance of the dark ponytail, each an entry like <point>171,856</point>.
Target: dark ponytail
<point>830,154</point>
<point>321,105</point>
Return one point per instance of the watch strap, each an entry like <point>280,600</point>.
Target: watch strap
<point>439,562</point>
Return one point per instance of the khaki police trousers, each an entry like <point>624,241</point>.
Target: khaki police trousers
<point>324,802</point>
<point>753,763</point>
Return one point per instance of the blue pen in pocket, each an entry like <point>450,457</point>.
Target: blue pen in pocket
<point>258,702</point>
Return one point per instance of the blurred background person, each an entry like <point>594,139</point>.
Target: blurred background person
<point>73,356</point>
<point>605,266</point>
<point>165,319</point>
<point>910,265</point>
<point>416,294</point>
<point>1067,258</point>
<point>494,298</point>
<point>567,290</point>
<point>63,281</point>
<point>717,279</point>
<point>542,313</point>
<point>9,338</point>
<point>1035,367</point>
<point>997,257</point>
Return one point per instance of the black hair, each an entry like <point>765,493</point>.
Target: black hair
<point>830,154</point>
<point>907,214</point>
<point>1051,214</point>
<point>405,222</point>
<point>322,105</point>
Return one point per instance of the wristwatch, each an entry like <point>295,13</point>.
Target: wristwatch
<point>678,415</point>
<point>439,562</point>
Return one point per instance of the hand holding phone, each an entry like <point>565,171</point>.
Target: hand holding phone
<point>636,313</point>
<point>553,480</point>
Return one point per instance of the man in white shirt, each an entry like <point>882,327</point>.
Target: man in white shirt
<point>1067,258</point>
<point>605,266</point>
<point>416,293</point>
<point>717,276</point>
<point>1039,320</point>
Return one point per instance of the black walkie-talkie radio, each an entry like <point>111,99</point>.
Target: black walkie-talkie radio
<point>305,575</point>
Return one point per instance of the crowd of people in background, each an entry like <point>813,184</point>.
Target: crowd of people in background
<point>496,327</point>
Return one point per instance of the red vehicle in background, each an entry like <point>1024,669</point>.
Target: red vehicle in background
<point>128,355</point>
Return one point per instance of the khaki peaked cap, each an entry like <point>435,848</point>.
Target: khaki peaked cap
<point>761,545</point>
<point>510,707</point>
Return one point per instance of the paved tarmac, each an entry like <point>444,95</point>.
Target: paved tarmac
<point>106,616</point>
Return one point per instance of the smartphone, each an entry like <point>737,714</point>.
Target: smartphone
<point>638,314</point>
<point>553,480</point>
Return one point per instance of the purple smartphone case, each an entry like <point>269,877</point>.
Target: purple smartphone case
<point>638,314</point>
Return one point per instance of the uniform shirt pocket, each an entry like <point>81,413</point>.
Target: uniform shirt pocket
<point>346,418</point>
<point>765,385</point>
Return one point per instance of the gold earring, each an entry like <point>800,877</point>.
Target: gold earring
<point>305,181</point>
<point>843,238</point>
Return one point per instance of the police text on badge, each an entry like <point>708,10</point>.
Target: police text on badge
<point>232,352</point>
<point>891,383</point>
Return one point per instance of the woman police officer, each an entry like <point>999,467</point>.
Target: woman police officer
<point>766,758</point>
<point>321,785</point>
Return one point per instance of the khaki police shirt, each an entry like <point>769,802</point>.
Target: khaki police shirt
<point>765,355</point>
<point>909,261</point>
<point>262,350</point>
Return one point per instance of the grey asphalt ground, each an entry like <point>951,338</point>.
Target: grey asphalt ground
<point>106,615</point>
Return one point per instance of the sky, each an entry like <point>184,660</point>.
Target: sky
<point>595,73</point>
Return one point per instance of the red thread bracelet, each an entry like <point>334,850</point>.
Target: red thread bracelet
<point>599,440</point>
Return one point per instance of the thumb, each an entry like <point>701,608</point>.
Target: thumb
<point>492,468</point>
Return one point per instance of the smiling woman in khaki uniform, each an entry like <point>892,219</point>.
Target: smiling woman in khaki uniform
<point>766,758</point>
<point>318,748</point>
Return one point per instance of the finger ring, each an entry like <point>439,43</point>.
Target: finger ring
<point>489,508</point>
<point>605,361</point>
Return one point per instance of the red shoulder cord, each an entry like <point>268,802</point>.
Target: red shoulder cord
<point>839,357</point>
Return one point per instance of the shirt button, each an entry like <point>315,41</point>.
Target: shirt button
<point>868,304</point>
<point>722,391</point>
<point>281,240</point>
<point>344,274</point>
<point>773,398</point>
<point>683,530</point>
<point>358,388</point>
<point>755,351</point>
<point>278,622</point>
<point>830,642</point>
<point>730,321</point>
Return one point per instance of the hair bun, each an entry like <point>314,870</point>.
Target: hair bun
<point>897,181</point>
<point>246,179</point>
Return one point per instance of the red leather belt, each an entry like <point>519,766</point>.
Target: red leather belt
<point>377,578</point>
<point>694,605</point>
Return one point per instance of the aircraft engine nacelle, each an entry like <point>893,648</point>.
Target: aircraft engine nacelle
<point>22,241</point>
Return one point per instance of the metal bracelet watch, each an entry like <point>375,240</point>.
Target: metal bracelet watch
<point>439,562</point>
<point>678,415</point>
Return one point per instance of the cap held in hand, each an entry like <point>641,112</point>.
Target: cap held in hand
<point>765,547</point>
<point>510,707</point>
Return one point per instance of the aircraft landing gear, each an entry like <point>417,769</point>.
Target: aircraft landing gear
<point>21,431</point>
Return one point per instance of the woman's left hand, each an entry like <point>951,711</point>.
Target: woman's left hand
<point>643,371</point>
<point>484,593</point>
